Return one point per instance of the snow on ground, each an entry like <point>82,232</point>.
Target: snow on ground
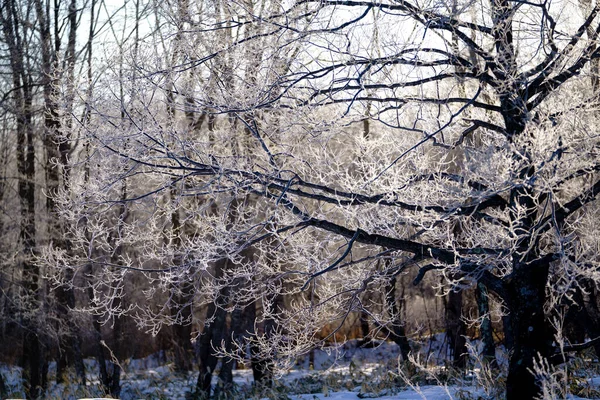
<point>426,392</point>
<point>346,372</point>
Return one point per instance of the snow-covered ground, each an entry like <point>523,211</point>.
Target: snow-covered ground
<point>347,372</point>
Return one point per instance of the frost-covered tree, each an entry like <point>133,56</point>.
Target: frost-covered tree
<point>478,164</point>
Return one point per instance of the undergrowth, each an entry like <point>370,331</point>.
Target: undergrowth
<point>482,380</point>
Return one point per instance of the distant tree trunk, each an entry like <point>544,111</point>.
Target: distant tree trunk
<point>107,375</point>
<point>398,333</point>
<point>182,307</point>
<point>182,332</point>
<point>207,361</point>
<point>3,389</point>
<point>115,379</point>
<point>456,329</point>
<point>109,369</point>
<point>5,310</point>
<point>181,311</point>
<point>110,372</point>
<point>100,354</point>
<point>483,305</point>
<point>99,344</point>
<point>212,335</point>
<point>240,326</point>
<point>582,316</point>
<point>365,330</point>
<point>117,331</point>
<point>586,6</point>
<point>590,305</point>
<point>70,347</point>
<point>225,382</point>
<point>263,368</point>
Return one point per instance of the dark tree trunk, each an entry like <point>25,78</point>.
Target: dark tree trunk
<point>212,336</point>
<point>207,361</point>
<point>3,388</point>
<point>182,332</point>
<point>45,367</point>
<point>101,356</point>
<point>98,347</point>
<point>509,336</point>
<point>115,378</point>
<point>532,335</point>
<point>582,317</point>
<point>70,346</point>
<point>590,304</point>
<point>456,329</point>
<point>365,330</point>
<point>575,324</point>
<point>240,327</point>
<point>113,383</point>
<point>78,358</point>
<point>401,340</point>
<point>483,305</point>
<point>107,375</point>
<point>263,368</point>
<point>224,387</point>
<point>110,372</point>
<point>32,356</point>
<point>182,310</point>
<point>397,331</point>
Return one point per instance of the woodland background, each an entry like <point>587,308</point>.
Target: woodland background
<point>229,184</point>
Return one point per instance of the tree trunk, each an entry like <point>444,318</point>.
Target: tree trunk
<point>182,309</point>
<point>182,345</point>
<point>456,329</point>
<point>224,387</point>
<point>483,305</point>
<point>591,306</point>
<point>241,325</point>
<point>3,389</point>
<point>101,356</point>
<point>532,335</point>
<point>364,328</point>
<point>211,336</point>
<point>114,386</point>
<point>398,333</point>
<point>582,317</point>
<point>115,379</point>
<point>70,346</point>
<point>32,356</point>
<point>263,368</point>
<point>509,336</point>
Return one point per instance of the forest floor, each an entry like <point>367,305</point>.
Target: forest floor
<point>345,372</point>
